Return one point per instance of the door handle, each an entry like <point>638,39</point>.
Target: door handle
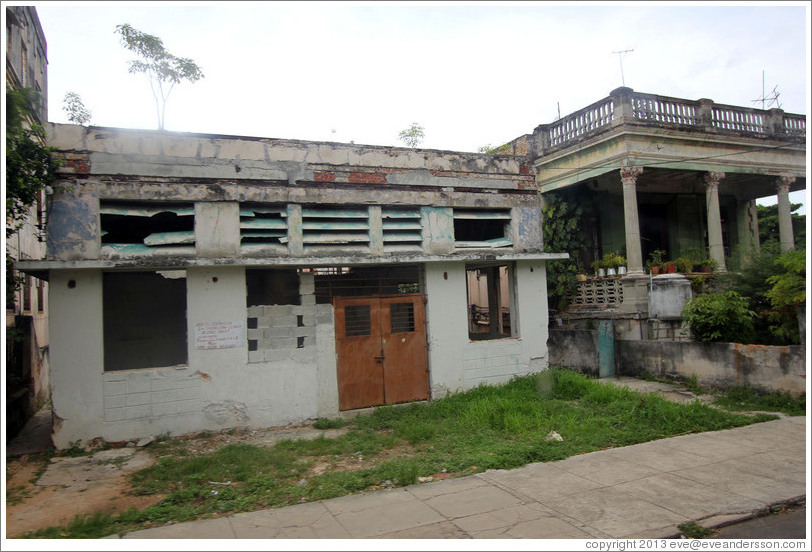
<point>379,359</point>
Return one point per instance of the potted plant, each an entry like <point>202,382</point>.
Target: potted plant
<point>670,267</point>
<point>655,261</point>
<point>684,265</point>
<point>599,269</point>
<point>580,273</point>
<point>707,265</point>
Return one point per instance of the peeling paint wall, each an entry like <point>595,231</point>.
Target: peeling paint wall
<point>228,210</point>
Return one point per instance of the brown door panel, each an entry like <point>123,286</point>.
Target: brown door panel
<point>381,346</point>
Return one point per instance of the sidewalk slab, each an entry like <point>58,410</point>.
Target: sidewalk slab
<point>528,521</point>
<point>641,491</point>
<point>685,497</point>
<point>375,514</point>
<point>204,529</point>
<point>614,513</point>
<point>305,521</point>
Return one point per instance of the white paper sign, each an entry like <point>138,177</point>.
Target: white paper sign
<point>219,335</point>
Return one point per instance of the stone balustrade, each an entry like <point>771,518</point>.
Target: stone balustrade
<point>625,106</point>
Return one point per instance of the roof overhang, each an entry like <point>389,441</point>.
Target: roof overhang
<point>42,269</point>
<point>759,158</point>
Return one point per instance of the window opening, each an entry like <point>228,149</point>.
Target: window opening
<point>40,296</point>
<point>481,228</point>
<point>145,228</point>
<point>401,317</point>
<point>357,321</point>
<point>144,320</point>
<point>27,294</point>
<point>272,287</point>
<point>364,281</point>
<point>489,302</point>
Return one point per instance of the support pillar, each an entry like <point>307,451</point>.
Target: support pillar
<point>634,253</point>
<point>786,237</point>
<point>715,242</point>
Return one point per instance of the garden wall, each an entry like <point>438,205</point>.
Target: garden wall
<point>772,368</point>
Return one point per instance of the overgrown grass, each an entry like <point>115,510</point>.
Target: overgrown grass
<point>750,399</point>
<point>464,433</point>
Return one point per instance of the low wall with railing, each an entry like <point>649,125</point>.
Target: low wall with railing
<point>624,105</point>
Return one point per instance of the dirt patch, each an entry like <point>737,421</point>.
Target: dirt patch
<point>355,462</point>
<point>31,506</point>
<point>44,492</point>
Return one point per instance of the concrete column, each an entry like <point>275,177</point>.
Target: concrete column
<point>715,242</point>
<point>634,252</point>
<point>787,239</point>
<point>754,228</point>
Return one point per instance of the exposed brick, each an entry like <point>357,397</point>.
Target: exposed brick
<point>324,176</point>
<point>367,178</point>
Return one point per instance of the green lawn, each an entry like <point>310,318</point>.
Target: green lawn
<point>465,433</point>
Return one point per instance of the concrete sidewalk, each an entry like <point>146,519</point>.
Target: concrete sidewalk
<point>645,490</point>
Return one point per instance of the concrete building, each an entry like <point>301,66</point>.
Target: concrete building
<point>27,308</point>
<point>206,282</point>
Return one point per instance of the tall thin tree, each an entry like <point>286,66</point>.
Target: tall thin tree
<point>163,69</point>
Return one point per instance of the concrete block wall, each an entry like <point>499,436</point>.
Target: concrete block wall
<point>284,332</point>
<point>152,395</point>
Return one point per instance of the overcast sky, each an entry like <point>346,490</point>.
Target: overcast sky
<point>472,74</point>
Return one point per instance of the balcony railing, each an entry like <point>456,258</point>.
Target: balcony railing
<point>626,106</point>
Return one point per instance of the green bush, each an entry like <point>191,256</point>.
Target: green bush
<point>720,317</point>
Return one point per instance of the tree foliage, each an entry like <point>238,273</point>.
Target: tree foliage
<point>789,287</point>
<point>776,324</point>
<point>412,136</point>
<point>164,69</point>
<point>562,233</point>
<point>768,235</point>
<point>73,105</point>
<point>720,317</point>
<point>29,165</point>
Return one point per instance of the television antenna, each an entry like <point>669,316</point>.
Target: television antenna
<point>620,58</point>
<point>772,98</point>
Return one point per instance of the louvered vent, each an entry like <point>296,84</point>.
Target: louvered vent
<point>401,229</point>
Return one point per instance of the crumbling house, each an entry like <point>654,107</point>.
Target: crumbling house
<point>200,282</point>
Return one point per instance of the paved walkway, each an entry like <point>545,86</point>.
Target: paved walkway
<point>644,490</point>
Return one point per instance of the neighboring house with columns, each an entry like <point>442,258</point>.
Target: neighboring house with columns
<point>660,173</point>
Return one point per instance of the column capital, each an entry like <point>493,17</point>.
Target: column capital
<point>628,175</point>
<point>782,183</point>
<point>712,179</point>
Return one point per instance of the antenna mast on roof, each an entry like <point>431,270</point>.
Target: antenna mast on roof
<point>773,99</point>
<point>620,57</point>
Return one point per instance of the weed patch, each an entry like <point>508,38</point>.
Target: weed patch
<point>489,427</point>
<point>748,398</point>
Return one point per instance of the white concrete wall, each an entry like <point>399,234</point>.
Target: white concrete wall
<point>218,388</point>
<point>455,362</point>
<point>77,356</point>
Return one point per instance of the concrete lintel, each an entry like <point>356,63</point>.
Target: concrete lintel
<point>42,268</point>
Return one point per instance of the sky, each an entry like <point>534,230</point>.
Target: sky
<point>472,74</point>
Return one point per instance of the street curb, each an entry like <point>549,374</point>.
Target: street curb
<point>717,521</point>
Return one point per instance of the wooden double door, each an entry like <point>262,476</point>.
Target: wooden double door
<point>381,346</point>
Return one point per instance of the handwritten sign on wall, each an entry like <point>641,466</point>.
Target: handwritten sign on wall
<point>219,335</point>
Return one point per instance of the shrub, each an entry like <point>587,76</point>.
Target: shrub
<point>684,264</point>
<point>720,317</point>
